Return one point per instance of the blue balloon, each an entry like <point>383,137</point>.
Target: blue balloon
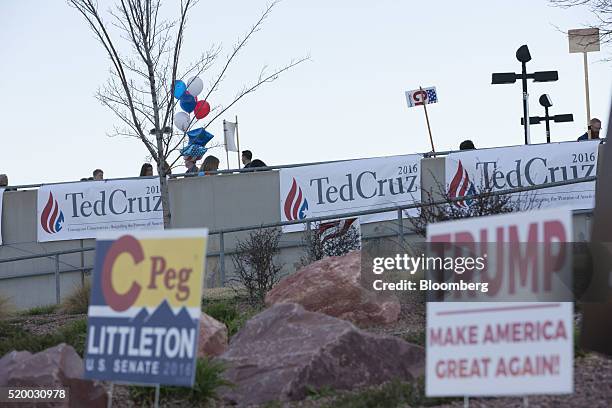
<point>194,151</point>
<point>199,137</point>
<point>188,103</point>
<point>179,89</point>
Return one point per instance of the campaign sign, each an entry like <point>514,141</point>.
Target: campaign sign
<point>83,210</point>
<point>512,346</point>
<point>349,186</point>
<point>484,170</point>
<point>144,313</point>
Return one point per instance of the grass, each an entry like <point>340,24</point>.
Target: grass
<point>40,310</point>
<point>228,312</point>
<point>415,337</point>
<point>5,307</point>
<point>78,301</point>
<point>13,337</point>
<point>208,380</point>
<point>392,394</point>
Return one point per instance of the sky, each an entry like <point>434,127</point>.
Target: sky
<point>346,102</point>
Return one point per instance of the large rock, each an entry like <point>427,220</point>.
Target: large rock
<point>55,367</point>
<point>284,351</point>
<point>213,337</point>
<point>332,286</point>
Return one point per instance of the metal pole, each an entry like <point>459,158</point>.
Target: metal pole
<point>238,142</point>
<point>400,224</point>
<point>586,90</point>
<point>547,124</point>
<point>57,280</point>
<point>525,402</point>
<point>525,103</point>
<point>82,265</point>
<point>109,403</point>
<point>433,149</point>
<point>222,259</point>
<point>225,140</point>
<point>156,403</point>
<point>466,402</point>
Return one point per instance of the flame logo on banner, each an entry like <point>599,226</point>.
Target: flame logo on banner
<point>296,204</point>
<point>461,186</point>
<point>52,218</point>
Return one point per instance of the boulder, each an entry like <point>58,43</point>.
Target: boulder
<point>213,337</point>
<point>55,367</point>
<point>285,351</point>
<point>333,286</point>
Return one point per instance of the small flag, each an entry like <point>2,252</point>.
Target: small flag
<point>229,132</point>
<point>419,97</point>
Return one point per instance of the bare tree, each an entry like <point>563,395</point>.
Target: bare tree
<point>602,11</point>
<point>319,244</point>
<point>141,85</point>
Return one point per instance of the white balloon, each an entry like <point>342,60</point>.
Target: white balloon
<point>194,86</point>
<point>181,120</point>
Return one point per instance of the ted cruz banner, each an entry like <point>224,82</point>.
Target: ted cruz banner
<point>1,199</point>
<point>347,186</point>
<point>144,313</point>
<point>82,210</point>
<point>505,348</point>
<point>495,169</point>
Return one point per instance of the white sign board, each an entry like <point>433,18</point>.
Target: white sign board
<point>82,210</point>
<point>1,200</point>
<point>502,348</point>
<point>349,186</point>
<point>471,171</point>
<point>583,40</point>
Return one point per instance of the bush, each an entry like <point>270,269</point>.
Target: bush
<point>208,380</point>
<point>40,310</point>
<point>78,301</point>
<point>5,307</point>
<point>255,263</point>
<point>321,241</point>
<point>227,312</point>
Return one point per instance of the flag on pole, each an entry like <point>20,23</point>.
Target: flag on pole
<point>229,132</point>
<point>422,96</point>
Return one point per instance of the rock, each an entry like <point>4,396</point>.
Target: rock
<point>213,337</point>
<point>332,286</point>
<point>55,367</point>
<point>285,351</point>
<point>8,363</point>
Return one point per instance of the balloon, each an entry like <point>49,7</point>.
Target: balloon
<point>199,137</point>
<point>202,109</point>
<point>179,89</point>
<point>194,151</point>
<point>181,120</point>
<point>195,86</point>
<point>187,102</point>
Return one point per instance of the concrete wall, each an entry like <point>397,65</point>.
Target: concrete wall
<point>215,202</point>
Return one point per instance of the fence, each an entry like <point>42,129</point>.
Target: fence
<point>222,252</point>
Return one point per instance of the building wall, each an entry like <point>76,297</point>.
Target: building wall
<point>215,202</point>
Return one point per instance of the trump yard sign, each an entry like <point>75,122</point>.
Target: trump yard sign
<point>144,313</point>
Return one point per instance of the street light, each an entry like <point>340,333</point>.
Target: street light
<point>524,56</point>
<point>546,102</point>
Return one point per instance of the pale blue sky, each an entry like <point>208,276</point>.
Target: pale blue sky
<point>347,102</point>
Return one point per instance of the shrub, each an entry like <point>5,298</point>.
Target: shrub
<point>40,310</point>
<point>208,380</point>
<point>78,301</point>
<point>255,263</point>
<point>320,243</point>
<point>5,307</point>
<point>15,338</point>
<point>223,311</point>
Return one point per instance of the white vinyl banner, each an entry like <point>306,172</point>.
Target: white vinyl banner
<point>1,200</point>
<point>504,348</point>
<point>82,210</point>
<point>472,171</point>
<point>348,186</point>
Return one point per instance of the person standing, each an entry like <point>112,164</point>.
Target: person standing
<point>98,175</point>
<point>146,170</point>
<point>247,160</point>
<point>594,127</point>
<point>191,165</point>
<point>210,164</point>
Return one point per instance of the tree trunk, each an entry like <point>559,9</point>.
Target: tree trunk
<point>163,186</point>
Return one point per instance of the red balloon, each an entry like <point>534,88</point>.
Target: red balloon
<point>202,109</point>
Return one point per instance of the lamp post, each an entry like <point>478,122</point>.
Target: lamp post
<point>524,56</point>
<point>546,102</point>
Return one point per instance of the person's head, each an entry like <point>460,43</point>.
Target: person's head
<point>467,145</point>
<point>190,162</point>
<point>595,127</point>
<point>98,174</point>
<point>146,170</point>
<point>246,157</point>
<point>210,163</point>
<point>3,180</point>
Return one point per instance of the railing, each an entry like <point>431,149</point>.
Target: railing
<point>308,221</point>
